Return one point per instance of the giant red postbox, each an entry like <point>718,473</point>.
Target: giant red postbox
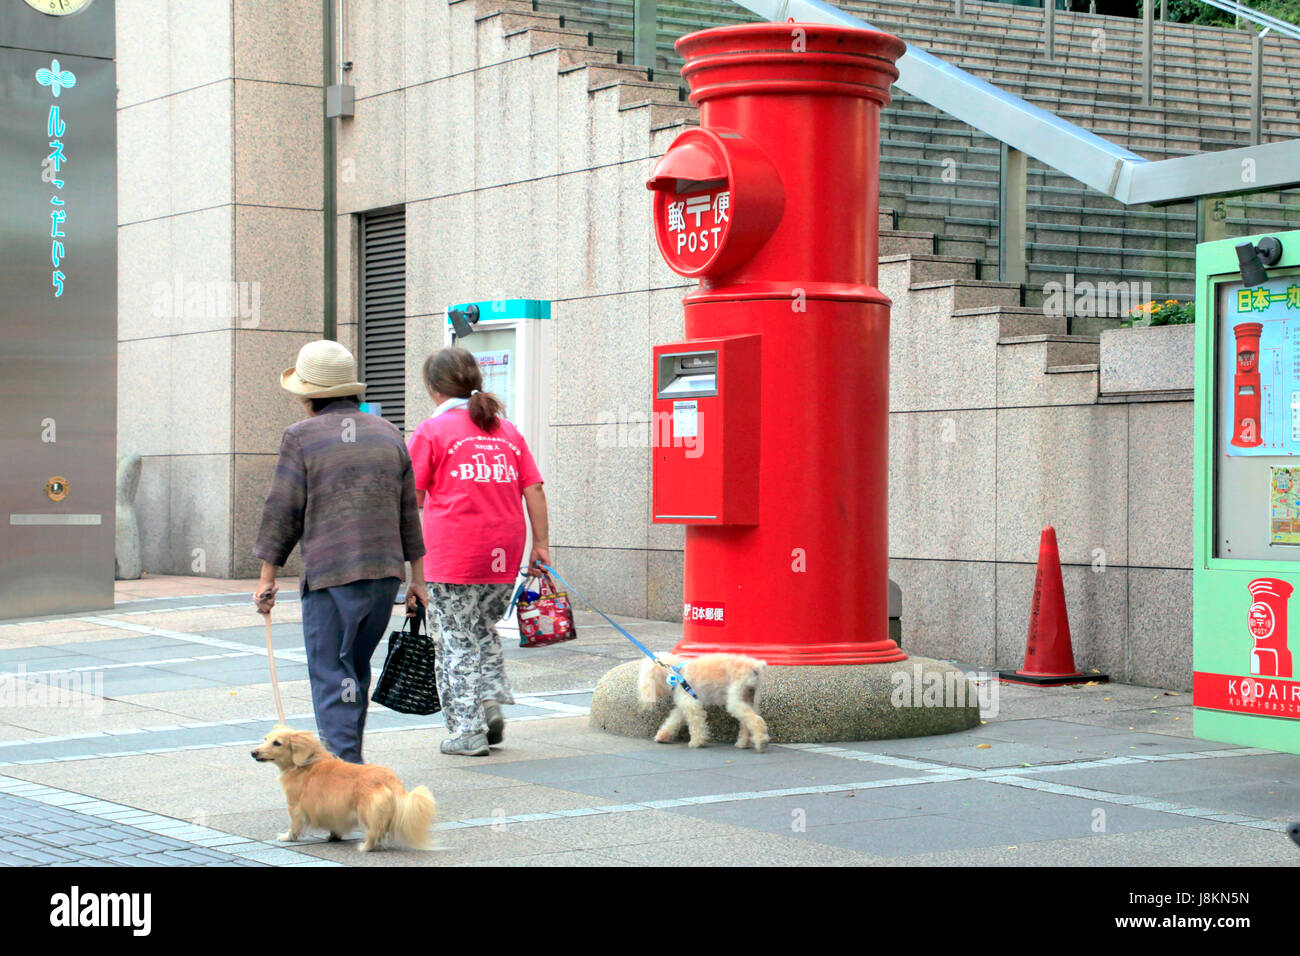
<point>771,419</point>
<point>1246,386</point>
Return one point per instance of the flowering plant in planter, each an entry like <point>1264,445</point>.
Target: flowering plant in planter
<point>1169,312</point>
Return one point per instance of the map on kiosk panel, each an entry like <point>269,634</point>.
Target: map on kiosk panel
<point>1259,368</point>
<point>1284,505</point>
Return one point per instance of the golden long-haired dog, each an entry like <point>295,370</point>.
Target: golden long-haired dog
<point>732,681</point>
<point>326,793</point>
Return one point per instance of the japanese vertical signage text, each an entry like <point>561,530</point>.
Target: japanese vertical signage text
<point>58,80</point>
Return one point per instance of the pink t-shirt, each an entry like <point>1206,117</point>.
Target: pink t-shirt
<point>473,481</point>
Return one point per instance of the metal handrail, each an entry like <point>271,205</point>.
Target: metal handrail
<point>1078,153</point>
<point>1265,20</point>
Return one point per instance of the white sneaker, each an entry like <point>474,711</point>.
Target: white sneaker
<point>466,745</point>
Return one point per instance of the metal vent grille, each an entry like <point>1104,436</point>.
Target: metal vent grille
<point>383,312</point>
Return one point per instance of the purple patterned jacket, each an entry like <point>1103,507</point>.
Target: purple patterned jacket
<point>344,488</point>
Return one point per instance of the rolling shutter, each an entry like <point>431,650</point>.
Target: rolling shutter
<point>383,312</point>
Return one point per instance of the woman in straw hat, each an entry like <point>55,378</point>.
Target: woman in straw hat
<point>344,489</point>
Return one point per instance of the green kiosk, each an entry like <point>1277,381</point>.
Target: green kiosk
<point>1247,497</point>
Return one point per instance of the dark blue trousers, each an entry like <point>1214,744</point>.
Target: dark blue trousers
<point>342,627</point>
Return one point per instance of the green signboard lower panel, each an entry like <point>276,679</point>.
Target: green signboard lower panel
<point>1248,731</point>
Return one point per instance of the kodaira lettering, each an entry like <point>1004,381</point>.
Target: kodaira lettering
<point>1271,690</point>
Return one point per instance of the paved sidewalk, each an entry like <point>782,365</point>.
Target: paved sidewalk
<point>124,740</point>
<point>47,827</point>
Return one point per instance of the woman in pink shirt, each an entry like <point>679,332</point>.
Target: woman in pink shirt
<point>473,477</point>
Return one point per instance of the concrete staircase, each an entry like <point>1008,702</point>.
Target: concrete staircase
<point>941,176</point>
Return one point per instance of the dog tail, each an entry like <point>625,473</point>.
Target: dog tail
<point>646,690</point>
<point>414,815</point>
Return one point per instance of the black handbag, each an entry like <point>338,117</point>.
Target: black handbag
<point>408,683</point>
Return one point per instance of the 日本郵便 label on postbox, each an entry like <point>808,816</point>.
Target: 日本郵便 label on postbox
<point>709,613</point>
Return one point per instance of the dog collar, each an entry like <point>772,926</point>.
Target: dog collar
<point>675,677</point>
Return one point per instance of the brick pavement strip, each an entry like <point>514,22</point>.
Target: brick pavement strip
<point>44,826</point>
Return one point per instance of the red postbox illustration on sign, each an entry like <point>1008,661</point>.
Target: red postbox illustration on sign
<point>1246,387</point>
<point>1270,656</point>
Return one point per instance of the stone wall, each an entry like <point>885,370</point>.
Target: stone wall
<point>973,484</point>
<point>219,197</point>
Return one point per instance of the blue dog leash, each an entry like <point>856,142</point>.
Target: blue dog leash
<point>675,677</point>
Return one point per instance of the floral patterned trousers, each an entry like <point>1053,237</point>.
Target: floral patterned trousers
<point>469,665</point>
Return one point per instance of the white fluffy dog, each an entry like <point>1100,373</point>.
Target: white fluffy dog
<point>720,680</point>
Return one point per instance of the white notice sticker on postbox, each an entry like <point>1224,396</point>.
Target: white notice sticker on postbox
<point>686,419</point>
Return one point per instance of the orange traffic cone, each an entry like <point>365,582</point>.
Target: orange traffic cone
<point>1049,658</point>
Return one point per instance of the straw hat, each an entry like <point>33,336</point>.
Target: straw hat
<point>324,369</point>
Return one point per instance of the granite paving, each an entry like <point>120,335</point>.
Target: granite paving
<point>125,736</point>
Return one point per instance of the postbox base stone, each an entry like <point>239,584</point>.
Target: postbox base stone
<point>917,697</point>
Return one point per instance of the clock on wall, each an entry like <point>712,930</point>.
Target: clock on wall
<point>58,8</point>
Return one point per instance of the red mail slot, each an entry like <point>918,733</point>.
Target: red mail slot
<point>706,417</point>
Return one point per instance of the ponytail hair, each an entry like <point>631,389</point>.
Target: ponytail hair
<point>454,372</point>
